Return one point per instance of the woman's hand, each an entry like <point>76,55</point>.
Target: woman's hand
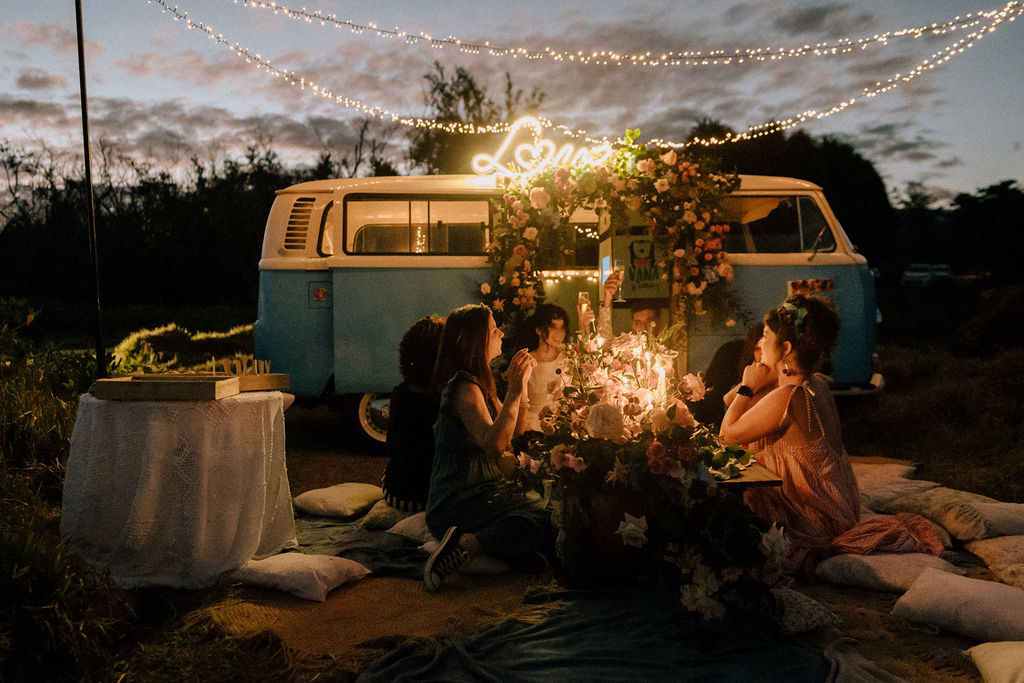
<point>519,370</point>
<point>756,375</point>
<point>611,285</point>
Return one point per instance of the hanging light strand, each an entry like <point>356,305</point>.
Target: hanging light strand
<point>1007,15</point>
<point>607,57</point>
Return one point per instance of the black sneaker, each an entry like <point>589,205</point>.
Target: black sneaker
<point>448,558</point>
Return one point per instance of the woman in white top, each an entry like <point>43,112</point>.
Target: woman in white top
<point>548,324</point>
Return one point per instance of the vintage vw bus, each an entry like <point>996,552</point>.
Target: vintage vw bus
<point>348,265</point>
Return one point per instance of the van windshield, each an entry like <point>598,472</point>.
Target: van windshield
<point>416,225</point>
<point>775,224</point>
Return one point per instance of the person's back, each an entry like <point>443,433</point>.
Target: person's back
<point>414,405</point>
<point>410,447</point>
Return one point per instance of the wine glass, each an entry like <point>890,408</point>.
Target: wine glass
<point>583,300</point>
<point>619,269</point>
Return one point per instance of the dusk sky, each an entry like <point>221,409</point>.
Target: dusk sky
<point>165,93</point>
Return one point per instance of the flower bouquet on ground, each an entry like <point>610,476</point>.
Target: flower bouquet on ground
<point>636,493</point>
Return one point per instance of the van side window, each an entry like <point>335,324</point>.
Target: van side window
<point>416,225</point>
<point>775,225</point>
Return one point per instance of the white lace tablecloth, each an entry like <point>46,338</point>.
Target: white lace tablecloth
<point>174,493</point>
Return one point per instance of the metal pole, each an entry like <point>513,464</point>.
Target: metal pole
<point>101,356</point>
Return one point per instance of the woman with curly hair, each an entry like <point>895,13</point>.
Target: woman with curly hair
<point>794,431</point>
<point>414,404</point>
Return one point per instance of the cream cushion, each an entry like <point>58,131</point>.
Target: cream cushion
<point>984,610</point>
<point>893,572</point>
<point>340,500</point>
<point>967,516</point>
<point>413,527</point>
<point>383,515</point>
<point>1001,662</point>
<point>799,613</point>
<point>881,483</point>
<point>308,576</point>
<point>1004,555</point>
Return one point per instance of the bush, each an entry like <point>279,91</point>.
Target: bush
<point>172,348</point>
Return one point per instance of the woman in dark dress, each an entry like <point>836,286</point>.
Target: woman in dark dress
<point>468,509</point>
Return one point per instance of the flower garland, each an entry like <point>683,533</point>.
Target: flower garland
<point>621,430</point>
<point>677,197</point>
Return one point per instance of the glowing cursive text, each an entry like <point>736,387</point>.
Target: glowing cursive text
<point>527,159</point>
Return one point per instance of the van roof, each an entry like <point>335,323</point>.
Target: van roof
<point>464,183</point>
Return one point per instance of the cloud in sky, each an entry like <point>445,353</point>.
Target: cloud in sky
<point>162,90</point>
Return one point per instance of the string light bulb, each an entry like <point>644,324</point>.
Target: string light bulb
<point>1007,14</point>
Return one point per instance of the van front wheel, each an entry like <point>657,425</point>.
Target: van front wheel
<point>373,412</point>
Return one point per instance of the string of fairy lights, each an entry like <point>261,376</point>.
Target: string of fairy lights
<point>606,57</point>
<point>993,19</point>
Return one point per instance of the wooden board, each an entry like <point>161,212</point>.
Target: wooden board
<point>265,381</point>
<point>269,381</point>
<point>165,388</point>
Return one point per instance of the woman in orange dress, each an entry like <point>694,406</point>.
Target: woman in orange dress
<point>794,431</point>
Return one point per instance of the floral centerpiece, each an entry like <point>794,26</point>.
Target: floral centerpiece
<point>637,490</point>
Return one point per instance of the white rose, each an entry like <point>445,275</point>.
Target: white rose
<point>659,420</point>
<point>633,530</point>
<point>604,421</point>
<point>683,417</point>
<point>774,544</point>
<point>692,387</point>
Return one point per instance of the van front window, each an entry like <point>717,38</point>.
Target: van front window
<point>775,224</point>
<point>416,225</point>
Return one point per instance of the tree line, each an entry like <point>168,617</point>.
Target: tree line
<point>196,239</point>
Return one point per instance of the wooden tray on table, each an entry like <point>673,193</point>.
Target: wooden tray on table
<point>165,387</point>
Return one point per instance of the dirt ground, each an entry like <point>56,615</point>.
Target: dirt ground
<point>321,452</point>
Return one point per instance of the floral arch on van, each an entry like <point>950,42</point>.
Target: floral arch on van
<point>675,195</point>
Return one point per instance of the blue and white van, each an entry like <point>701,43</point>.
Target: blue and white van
<point>348,265</point>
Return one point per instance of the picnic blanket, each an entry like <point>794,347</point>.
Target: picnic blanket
<point>608,635</point>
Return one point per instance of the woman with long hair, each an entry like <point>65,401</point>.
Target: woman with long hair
<point>468,510</point>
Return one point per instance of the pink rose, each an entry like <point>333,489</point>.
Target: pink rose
<point>539,198</point>
<point>519,250</point>
<point>485,289</point>
<point>530,233</point>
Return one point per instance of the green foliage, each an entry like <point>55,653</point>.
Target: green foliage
<point>172,348</point>
<point>56,621</point>
<point>39,391</point>
<point>459,99</point>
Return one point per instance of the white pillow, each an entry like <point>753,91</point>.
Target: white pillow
<point>881,483</point>
<point>383,516</point>
<point>1004,519</point>
<point>1004,555</point>
<point>308,576</point>
<point>799,613</point>
<point>340,500</point>
<point>965,515</point>
<point>984,610</point>
<point>999,662</point>
<point>893,572</point>
<point>413,527</point>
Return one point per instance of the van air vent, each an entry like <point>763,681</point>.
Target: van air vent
<point>298,223</point>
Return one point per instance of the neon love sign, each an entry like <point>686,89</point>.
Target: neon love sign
<point>527,159</point>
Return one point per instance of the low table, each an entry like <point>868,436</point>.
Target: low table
<point>175,493</point>
<point>754,475</point>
